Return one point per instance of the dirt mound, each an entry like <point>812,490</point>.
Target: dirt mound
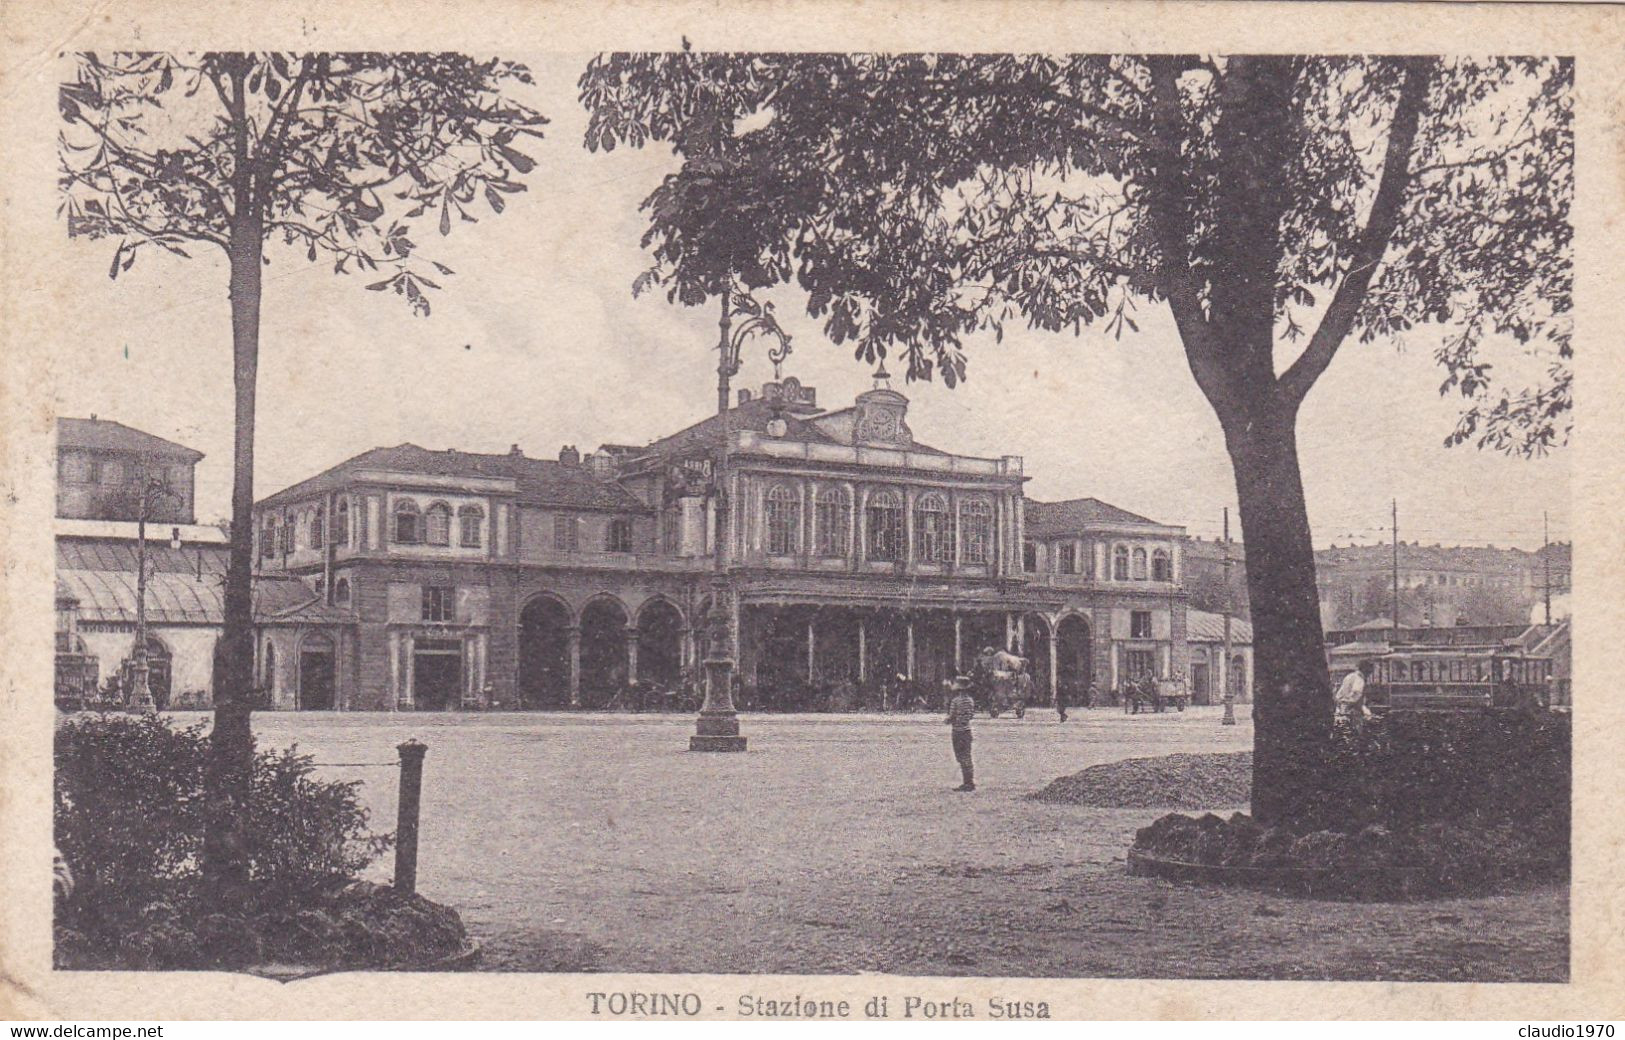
<point>1170,782</point>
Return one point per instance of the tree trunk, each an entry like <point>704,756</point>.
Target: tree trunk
<point>231,746</point>
<point>1292,708</point>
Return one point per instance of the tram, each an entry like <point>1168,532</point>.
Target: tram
<point>1458,678</point>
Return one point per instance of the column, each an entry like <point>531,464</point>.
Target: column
<point>909,627</point>
<point>575,666</point>
<point>1054,683</point>
<point>1009,631</point>
<point>1021,635</point>
<point>408,691</point>
<point>863,649</point>
<point>807,500</point>
<point>812,651</point>
<point>909,495</point>
<point>959,644</point>
<point>396,690</point>
<point>631,654</point>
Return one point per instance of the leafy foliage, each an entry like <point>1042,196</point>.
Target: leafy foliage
<point>921,199</point>
<point>333,154</point>
<point>129,811</point>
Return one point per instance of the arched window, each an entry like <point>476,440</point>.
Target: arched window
<point>619,536</point>
<point>339,534</point>
<point>885,526</point>
<point>1139,565</point>
<point>268,538</point>
<point>1161,566</point>
<point>833,520</point>
<point>976,531</point>
<point>933,530</point>
<point>318,527</point>
<point>469,521</point>
<point>341,592</point>
<point>783,520</point>
<point>1119,563</point>
<point>437,524</point>
<point>408,530</point>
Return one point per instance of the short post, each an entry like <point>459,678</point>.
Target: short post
<point>406,819</point>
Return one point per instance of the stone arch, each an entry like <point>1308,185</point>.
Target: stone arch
<point>1038,629</point>
<point>1074,656</point>
<point>660,625</point>
<point>604,626</point>
<point>545,623</point>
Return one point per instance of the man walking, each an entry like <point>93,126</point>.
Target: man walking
<point>1350,696</point>
<point>961,707</point>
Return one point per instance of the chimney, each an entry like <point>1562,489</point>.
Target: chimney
<point>601,464</point>
<point>569,455</point>
<point>515,452</point>
<point>744,395</point>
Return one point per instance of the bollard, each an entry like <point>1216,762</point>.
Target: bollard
<point>406,819</point>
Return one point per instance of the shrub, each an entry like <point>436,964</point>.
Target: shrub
<point>129,810</point>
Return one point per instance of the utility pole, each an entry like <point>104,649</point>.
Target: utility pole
<point>1396,570</point>
<point>1546,554</point>
<point>1229,604</point>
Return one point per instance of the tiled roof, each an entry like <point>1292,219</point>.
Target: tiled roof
<point>106,435</point>
<point>1202,626</point>
<point>754,414</point>
<point>1053,518</point>
<point>544,482</point>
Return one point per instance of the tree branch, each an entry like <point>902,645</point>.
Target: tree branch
<point>1373,242</point>
<point>1169,203</point>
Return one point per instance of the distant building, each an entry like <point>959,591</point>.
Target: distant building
<point>1205,633</point>
<point>1205,576</point>
<point>1439,585</point>
<point>99,464</point>
<point>860,557</point>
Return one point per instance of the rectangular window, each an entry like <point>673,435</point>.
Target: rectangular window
<point>437,603</point>
<point>1069,558</point>
<point>1029,557</point>
<point>1140,624</point>
<point>93,471</point>
<point>112,472</point>
<point>564,533</point>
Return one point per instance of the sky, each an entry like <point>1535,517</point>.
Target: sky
<point>537,340</point>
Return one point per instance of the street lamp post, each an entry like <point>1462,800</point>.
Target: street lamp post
<point>140,697</point>
<point>717,728</point>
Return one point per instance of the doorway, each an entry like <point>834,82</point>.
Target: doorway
<point>316,674</point>
<point>437,674</point>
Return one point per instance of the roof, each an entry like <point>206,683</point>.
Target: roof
<point>1202,626</point>
<point>184,586</point>
<point>543,482</point>
<point>107,435</point>
<point>754,414</point>
<point>1053,518</point>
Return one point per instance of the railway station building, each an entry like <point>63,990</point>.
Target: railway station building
<point>864,563</point>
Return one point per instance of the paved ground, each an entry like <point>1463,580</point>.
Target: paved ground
<point>598,843</point>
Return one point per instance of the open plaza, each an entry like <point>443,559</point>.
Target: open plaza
<point>597,842</point>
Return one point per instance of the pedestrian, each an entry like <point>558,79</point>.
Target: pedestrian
<point>1060,699</point>
<point>960,710</point>
<point>1350,696</point>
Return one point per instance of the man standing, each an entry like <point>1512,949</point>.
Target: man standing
<point>1350,696</point>
<point>961,707</point>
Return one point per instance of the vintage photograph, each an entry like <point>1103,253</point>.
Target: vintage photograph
<point>1015,515</point>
